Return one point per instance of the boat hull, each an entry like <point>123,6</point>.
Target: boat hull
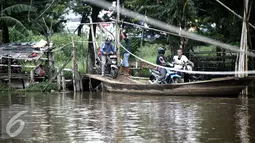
<point>229,86</point>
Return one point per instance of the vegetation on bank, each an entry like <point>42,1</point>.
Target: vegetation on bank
<point>39,87</point>
<point>5,88</point>
<point>35,87</point>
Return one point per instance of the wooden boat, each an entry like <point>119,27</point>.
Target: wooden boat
<point>228,86</point>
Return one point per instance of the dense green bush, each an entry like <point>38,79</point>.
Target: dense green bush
<point>148,52</point>
<point>5,87</point>
<point>16,36</point>
<point>38,87</point>
<point>63,41</point>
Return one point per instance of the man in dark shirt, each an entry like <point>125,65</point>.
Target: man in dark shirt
<point>125,54</point>
<point>161,61</point>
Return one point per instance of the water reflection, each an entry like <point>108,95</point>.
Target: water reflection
<point>242,124</point>
<point>103,117</point>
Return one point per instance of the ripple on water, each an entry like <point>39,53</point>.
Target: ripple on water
<point>123,118</point>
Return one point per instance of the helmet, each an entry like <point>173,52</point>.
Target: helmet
<point>161,50</point>
<point>108,39</point>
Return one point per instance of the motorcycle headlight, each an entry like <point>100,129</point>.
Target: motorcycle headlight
<point>114,62</point>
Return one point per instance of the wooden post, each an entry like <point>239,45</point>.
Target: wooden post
<point>32,76</point>
<point>50,59</point>
<point>136,64</point>
<point>59,79</point>
<point>63,81</point>
<point>141,44</point>
<point>76,77</point>
<point>9,72</point>
<point>93,37</point>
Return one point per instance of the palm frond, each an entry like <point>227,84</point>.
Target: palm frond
<point>18,8</point>
<point>12,22</point>
<point>3,1</point>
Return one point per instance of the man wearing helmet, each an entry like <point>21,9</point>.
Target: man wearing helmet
<point>106,48</point>
<point>161,61</point>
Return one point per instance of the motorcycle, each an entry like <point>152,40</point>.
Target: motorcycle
<point>171,76</point>
<point>110,66</point>
<point>188,76</point>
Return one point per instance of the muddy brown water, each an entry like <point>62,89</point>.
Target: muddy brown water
<point>104,117</point>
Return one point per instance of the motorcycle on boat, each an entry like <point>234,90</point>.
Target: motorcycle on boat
<point>110,66</point>
<point>189,77</point>
<point>171,76</point>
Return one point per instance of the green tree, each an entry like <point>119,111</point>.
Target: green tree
<point>8,20</point>
<point>181,13</point>
<point>82,8</point>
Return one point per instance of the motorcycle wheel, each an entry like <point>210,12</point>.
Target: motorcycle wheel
<point>152,78</point>
<point>114,72</point>
<point>176,80</point>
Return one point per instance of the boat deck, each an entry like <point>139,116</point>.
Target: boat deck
<point>118,80</point>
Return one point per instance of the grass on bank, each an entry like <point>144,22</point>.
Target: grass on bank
<point>35,87</point>
<point>38,87</point>
<point>5,88</point>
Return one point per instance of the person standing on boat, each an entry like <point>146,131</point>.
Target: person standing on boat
<point>106,48</point>
<point>160,61</point>
<point>179,61</point>
<point>125,54</point>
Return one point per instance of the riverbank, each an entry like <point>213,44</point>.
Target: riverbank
<point>35,87</point>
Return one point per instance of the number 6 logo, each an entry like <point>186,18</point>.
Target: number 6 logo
<point>14,121</point>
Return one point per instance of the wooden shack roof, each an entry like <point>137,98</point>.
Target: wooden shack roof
<point>23,51</point>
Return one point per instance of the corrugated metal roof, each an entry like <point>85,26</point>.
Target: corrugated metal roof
<point>23,51</point>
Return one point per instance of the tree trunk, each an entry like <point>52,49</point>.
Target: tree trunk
<point>83,20</point>
<point>183,40</point>
<point>91,54</point>
<point>5,34</point>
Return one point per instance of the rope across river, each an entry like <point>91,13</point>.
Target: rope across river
<point>191,72</point>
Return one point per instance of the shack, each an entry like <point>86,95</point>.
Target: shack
<point>13,54</point>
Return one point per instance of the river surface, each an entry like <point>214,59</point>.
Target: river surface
<point>102,117</point>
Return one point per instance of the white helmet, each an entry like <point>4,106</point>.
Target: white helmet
<point>108,39</point>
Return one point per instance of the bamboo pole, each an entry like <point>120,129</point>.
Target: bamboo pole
<point>117,39</point>
<point>243,59</point>
<point>74,66</point>
<point>9,71</point>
